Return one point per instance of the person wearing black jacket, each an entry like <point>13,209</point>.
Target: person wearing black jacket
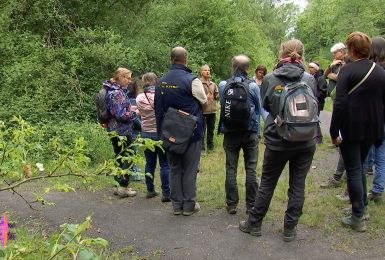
<point>358,119</point>
<point>279,151</point>
<point>318,74</point>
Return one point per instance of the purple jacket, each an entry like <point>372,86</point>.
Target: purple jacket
<point>120,109</point>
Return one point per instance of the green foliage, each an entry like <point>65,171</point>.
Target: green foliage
<point>29,153</point>
<point>325,22</point>
<point>55,53</point>
<point>70,243</point>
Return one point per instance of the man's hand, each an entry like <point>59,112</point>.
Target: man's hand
<point>210,96</point>
<point>335,62</point>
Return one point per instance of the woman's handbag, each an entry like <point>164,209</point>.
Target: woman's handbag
<point>177,129</point>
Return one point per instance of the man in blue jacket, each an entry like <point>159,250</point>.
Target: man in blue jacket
<point>246,139</point>
<point>180,89</point>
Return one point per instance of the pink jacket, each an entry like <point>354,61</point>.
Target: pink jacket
<point>147,112</point>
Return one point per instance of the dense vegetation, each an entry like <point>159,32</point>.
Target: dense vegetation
<point>55,53</point>
<point>325,22</point>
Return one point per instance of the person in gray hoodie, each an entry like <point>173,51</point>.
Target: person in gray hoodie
<point>279,151</point>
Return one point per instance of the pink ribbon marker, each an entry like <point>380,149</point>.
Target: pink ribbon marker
<point>4,230</point>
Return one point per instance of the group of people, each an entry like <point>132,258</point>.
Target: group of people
<point>357,123</point>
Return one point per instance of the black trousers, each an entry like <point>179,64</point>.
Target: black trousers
<point>232,144</point>
<point>209,125</point>
<point>354,155</point>
<point>273,164</point>
<point>121,149</point>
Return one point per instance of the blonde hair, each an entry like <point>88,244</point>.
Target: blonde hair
<point>292,49</point>
<point>149,79</point>
<point>119,73</point>
<point>204,66</point>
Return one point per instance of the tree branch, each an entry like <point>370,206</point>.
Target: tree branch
<point>21,196</point>
<point>16,184</point>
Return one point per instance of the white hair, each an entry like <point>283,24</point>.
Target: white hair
<point>337,47</point>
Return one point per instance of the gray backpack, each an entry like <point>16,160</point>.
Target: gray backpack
<point>297,119</point>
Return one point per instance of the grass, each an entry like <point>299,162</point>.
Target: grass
<point>322,210</point>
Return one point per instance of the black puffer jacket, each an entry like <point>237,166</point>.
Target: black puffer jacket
<point>283,74</point>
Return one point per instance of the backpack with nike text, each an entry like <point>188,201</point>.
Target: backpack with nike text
<point>297,119</point>
<point>235,105</point>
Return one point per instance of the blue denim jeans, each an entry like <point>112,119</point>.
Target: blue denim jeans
<point>379,174</point>
<point>151,158</point>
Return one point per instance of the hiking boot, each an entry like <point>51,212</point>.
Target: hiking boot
<point>231,209</point>
<point>331,183</point>
<point>375,196</point>
<point>344,196</point>
<point>355,223</point>
<point>289,234</point>
<point>348,212</point>
<point>151,194</point>
<point>254,230</point>
<point>124,192</point>
<point>369,171</point>
<point>195,210</point>
<point>165,199</point>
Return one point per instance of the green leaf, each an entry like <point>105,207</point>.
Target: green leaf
<point>85,254</point>
<point>95,241</point>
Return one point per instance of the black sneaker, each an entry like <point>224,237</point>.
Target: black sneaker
<point>177,212</point>
<point>165,199</point>
<point>289,234</point>
<point>151,194</point>
<point>195,210</point>
<point>254,230</point>
<point>231,209</point>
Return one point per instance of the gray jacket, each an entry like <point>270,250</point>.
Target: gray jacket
<point>271,89</point>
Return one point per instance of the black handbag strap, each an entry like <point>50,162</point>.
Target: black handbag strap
<point>362,80</point>
<point>149,100</point>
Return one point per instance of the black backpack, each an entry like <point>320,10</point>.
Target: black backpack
<point>235,107</point>
<point>297,119</point>
<point>102,106</point>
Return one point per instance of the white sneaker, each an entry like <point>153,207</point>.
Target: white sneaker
<point>124,192</point>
